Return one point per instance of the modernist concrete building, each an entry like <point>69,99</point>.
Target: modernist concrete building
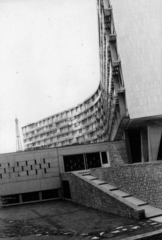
<point>121,122</point>
<point>128,102</point>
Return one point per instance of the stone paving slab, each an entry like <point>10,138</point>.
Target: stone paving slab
<point>64,220</point>
<point>135,201</point>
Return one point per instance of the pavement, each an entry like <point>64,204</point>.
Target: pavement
<point>64,220</point>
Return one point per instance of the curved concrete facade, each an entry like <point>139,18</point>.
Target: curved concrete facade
<point>81,124</point>
<point>98,118</point>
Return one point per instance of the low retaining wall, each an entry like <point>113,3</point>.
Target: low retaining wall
<point>143,180</point>
<point>87,194</point>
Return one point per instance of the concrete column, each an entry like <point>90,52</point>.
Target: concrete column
<point>122,104</point>
<point>40,196</point>
<point>20,198</point>
<point>60,193</point>
<point>154,137</point>
<point>144,145</point>
<point>127,143</point>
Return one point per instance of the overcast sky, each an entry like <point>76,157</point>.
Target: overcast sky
<point>49,60</point>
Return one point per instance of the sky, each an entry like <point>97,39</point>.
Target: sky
<point>49,60</point>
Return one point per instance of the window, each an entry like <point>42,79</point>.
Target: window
<point>74,162</point>
<point>104,157</point>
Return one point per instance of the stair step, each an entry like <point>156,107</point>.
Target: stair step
<point>136,201</point>
<point>121,193</point>
<point>151,211</point>
<point>99,182</point>
<point>157,219</point>
<point>108,187</point>
<point>90,177</point>
<point>84,172</point>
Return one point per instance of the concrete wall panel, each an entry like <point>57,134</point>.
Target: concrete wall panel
<point>138,26</point>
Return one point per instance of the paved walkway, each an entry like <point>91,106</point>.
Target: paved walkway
<point>63,220</point>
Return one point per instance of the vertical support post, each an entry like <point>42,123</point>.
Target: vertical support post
<point>40,196</point>
<point>85,161</point>
<point>20,198</point>
<point>144,145</point>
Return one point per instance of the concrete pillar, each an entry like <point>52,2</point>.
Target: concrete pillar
<point>144,145</point>
<point>60,193</point>
<point>154,137</point>
<point>128,147</point>
<point>40,196</point>
<point>20,198</point>
<point>122,104</point>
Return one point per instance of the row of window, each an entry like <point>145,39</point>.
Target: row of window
<point>30,197</point>
<point>67,141</point>
<point>65,114</point>
<point>79,119</point>
<point>84,161</point>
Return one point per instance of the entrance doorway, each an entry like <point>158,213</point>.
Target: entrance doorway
<point>66,189</point>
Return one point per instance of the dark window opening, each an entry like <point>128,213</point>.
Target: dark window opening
<point>11,199</point>
<point>160,150</point>
<point>48,194</point>
<point>135,144</point>
<point>30,197</point>
<point>74,162</point>
<point>93,160</point>
<point>66,189</point>
<point>104,157</point>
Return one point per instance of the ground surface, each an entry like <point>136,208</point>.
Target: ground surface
<point>63,220</point>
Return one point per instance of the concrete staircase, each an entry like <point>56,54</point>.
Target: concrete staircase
<point>151,212</point>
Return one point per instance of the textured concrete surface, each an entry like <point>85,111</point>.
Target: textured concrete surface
<point>142,180</point>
